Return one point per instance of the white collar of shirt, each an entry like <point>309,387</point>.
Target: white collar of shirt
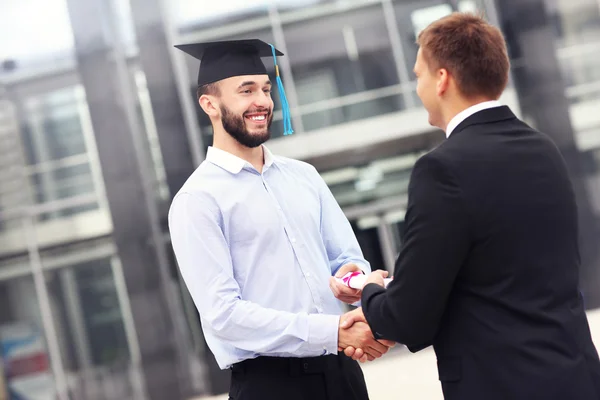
<point>461,116</point>
<point>234,164</point>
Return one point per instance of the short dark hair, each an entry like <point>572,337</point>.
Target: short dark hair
<point>211,89</point>
<point>472,50</point>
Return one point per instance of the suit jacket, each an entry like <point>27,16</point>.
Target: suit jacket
<point>488,272</point>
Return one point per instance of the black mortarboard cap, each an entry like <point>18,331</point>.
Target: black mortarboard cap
<point>221,60</point>
<point>226,59</point>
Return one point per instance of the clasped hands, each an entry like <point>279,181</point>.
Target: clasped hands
<point>355,338</point>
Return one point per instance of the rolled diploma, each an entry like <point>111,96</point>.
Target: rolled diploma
<point>356,280</point>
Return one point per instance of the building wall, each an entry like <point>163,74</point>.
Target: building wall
<point>99,127</point>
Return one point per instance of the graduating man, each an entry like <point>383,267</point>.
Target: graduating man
<point>488,272</point>
<point>258,237</point>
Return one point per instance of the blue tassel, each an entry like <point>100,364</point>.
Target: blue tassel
<point>285,106</point>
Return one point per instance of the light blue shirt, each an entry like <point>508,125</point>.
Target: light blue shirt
<point>256,252</point>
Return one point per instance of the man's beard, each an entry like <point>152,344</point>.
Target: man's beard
<point>235,125</point>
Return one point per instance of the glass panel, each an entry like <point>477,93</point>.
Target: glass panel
<point>63,183</point>
<point>365,229</point>
<point>351,112</point>
<point>411,18</point>
<point>354,56</point>
<point>23,348</point>
<point>379,179</point>
<point>576,22</point>
<point>371,185</point>
<point>152,143</point>
<point>55,147</point>
<point>90,329</point>
<point>399,234</point>
<point>581,72</point>
<point>577,27</point>
<point>53,129</point>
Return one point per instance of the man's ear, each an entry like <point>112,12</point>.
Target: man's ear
<point>443,81</point>
<point>208,105</point>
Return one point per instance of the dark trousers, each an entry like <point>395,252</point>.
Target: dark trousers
<point>331,377</point>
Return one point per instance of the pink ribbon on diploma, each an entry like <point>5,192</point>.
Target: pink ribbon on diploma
<point>346,278</point>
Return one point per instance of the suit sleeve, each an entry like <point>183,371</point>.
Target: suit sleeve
<point>436,243</point>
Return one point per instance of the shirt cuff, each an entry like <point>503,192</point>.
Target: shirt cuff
<point>323,333</point>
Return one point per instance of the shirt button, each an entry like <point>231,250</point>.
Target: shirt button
<point>293,240</point>
<point>308,274</point>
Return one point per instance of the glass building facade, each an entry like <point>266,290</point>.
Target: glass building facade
<point>99,127</point>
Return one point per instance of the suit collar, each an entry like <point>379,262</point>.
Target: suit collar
<point>464,114</point>
<point>487,116</point>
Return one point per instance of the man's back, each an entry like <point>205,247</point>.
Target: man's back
<point>514,320</point>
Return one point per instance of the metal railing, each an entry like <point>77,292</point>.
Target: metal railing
<point>351,99</point>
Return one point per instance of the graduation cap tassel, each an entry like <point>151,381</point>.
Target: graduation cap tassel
<point>285,107</point>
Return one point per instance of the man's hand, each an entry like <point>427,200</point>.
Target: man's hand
<point>365,351</point>
<point>377,277</point>
<point>343,292</point>
<point>359,336</point>
<point>351,317</point>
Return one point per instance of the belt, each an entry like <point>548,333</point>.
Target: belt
<point>288,365</point>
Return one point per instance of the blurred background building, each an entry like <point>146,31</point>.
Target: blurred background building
<point>99,128</point>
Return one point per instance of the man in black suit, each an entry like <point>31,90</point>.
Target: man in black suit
<point>488,273</point>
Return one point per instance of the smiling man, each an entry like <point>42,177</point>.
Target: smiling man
<point>258,238</point>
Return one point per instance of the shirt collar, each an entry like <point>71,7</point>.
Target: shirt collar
<point>461,116</point>
<point>234,164</point>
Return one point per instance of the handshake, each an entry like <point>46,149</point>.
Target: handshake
<point>355,338</point>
